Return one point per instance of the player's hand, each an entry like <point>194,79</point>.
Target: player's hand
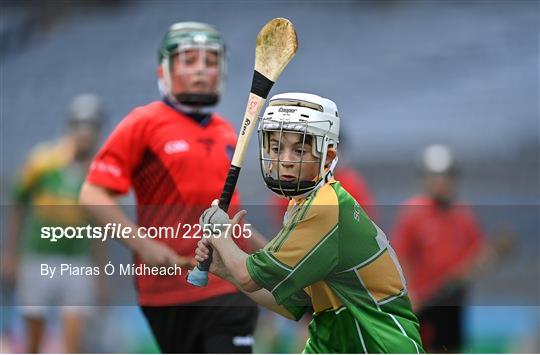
<point>215,217</point>
<point>158,254</point>
<point>217,267</point>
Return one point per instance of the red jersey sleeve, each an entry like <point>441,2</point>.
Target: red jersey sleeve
<point>113,165</point>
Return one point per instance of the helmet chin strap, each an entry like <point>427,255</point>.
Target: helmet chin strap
<point>165,91</point>
<point>327,177</point>
<point>330,173</point>
<point>197,100</point>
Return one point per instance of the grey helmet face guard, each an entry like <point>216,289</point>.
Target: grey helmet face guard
<point>271,164</point>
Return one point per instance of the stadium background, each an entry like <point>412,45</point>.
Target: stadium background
<point>403,73</point>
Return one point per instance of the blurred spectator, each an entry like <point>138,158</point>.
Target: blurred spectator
<point>438,242</point>
<point>45,195</point>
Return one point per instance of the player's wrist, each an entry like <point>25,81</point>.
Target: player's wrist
<point>221,243</point>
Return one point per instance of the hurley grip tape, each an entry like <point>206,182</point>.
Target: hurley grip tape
<point>228,188</point>
<point>261,85</point>
<point>198,277</point>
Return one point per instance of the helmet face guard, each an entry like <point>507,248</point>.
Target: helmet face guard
<point>210,64</point>
<point>183,44</point>
<point>291,123</point>
<point>272,160</point>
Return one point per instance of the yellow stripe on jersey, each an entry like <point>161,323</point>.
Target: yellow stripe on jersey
<point>381,277</point>
<point>320,219</point>
<point>322,297</point>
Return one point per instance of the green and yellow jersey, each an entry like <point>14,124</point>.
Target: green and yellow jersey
<point>49,186</point>
<point>332,257</point>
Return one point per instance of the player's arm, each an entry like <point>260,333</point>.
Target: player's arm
<point>102,204</point>
<point>229,262</point>
<point>233,259</point>
<point>110,176</point>
<point>267,300</point>
<point>308,255</point>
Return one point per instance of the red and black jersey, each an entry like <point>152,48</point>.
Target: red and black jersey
<point>177,167</point>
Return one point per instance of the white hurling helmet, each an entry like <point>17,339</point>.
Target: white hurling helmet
<point>316,119</point>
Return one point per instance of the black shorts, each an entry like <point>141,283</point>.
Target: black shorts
<point>441,325</point>
<point>223,324</point>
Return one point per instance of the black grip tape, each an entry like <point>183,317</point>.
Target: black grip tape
<point>261,85</point>
<point>224,202</point>
<point>228,188</point>
<point>205,265</point>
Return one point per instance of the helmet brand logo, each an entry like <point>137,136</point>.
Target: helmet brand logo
<point>199,38</point>
<point>287,110</point>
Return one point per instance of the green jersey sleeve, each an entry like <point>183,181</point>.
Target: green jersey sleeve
<point>297,304</point>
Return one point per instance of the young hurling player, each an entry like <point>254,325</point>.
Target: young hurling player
<point>329,255</point>
<point>175,153</point>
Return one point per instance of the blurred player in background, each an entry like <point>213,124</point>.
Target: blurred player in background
<point>175,154</point>
<point>329,256</point>
<point>46,195</point>
<point>439,243</point>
